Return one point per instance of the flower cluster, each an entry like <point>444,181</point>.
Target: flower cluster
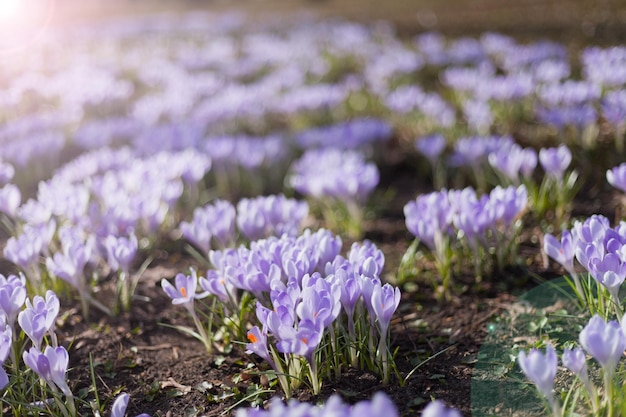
<point>340,181</point>
<point>448,222</point>
<point>313,305</point>
<point>380,404</point>
<point>601,250</point>
<point>605,342</point>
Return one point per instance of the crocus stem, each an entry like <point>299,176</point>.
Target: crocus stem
<point>122,289</point>
<point>334,352</point>
<point>608,388</point>
<point>314,378</point>
<point>352,342</point>
<point>206,340</point>
<point>384,357</point>
<point>579,289</point>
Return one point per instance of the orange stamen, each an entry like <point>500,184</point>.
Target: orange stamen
<point>305,340</point>
<point>252,338</point>
<point>183,291</point>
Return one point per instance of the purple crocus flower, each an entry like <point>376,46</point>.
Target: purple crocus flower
<point>320,301</point>
<point>302,341</point>
<point>366,258</point>
<point>24,249</point>
<point>69,264</point>
<point>12,296</point>
<point>614,109</point>
<point>213,221</point>
<point>185,290</point>
<point>431,146</point>
<point>350,291</point>
<point>10,198</point>
<point>7,171</point>
<point>617,177</point>
<point>39,317</point>
<point>385,301</point>
<point>513,160</point>
<point>610,271</point>
<point>273,215</point>
<point>6,344</point>
<point>379,405</point>
<point>438,409</point>
<point>575,361</point>
<point>540,368</point>
<point>120,251</point>
<point>555,160</point>
<point>258,345</point>
<point>339,174</point>
<point>604,341</point>
<point>216,284</point>
<point>429,217</point>
<point>120,405</point>
<point>563,251</point>
<point>508,203</point>
<point>51,366</point>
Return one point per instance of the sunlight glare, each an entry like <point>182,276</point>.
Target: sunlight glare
<point>22,22</point>
<point>10,10</point>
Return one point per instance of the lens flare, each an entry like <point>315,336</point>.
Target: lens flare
<point>23,22</point>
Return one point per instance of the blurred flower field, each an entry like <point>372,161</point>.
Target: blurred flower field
<point>207,214</point>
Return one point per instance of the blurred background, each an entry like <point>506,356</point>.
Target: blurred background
<point>602,21</point>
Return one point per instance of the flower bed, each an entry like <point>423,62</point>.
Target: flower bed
<point>206,213</point>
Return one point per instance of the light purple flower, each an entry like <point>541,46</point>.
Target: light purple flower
<point>12,296</point>
<point>258,345</point>
<point>617,177</point>
<point>474,150</point>
<point>24,250</point>
<point>604,341</point>
<point>302,341</point>
<point>51,365</point>
<point>555,160</point>
<point>385,301</point>
<point>213,221</point>
<point>120,405</point>
<point>508,203</point>
<point>340,174</point>
<point>6,344</point>
<point>216,284</point>
<point>575,361</point>
<point>614,109</point>
<point>120,251</point>
<point>352,134</point>
<point>609,271</point>
<point>319,301</point>
<point>39,317</point>
<point>513,161</point>
<point>185,290</point>
<point>273,215</point>
<point>10,198</point>
<point>366,258</point>
<point>540,368</point>
<point>379,405</point>
<point>7,171</point>
<point>438,409</point>
<point>563,251</point>
<point>429,217</point>
<point>350,291</point>
<point>69,264</point>
<point>431,146</point>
